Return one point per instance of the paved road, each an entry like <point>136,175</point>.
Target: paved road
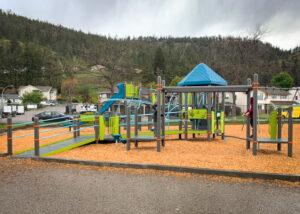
<point>58,190</point>
<point>27,117</point>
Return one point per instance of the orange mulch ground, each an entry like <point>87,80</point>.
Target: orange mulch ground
<point>229,154</point>
<point>24,143</point>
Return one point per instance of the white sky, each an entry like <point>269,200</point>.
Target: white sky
<point>175,18</point>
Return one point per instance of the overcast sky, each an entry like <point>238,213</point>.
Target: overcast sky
<point>281,18</point>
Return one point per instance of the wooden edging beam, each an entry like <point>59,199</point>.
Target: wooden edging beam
<point>203,171</point>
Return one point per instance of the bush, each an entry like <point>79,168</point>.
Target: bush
<point>34,97</point>
<point>282,80</point>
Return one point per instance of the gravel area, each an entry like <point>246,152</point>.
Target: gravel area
<point>217,154</point>
<point>33,187</point>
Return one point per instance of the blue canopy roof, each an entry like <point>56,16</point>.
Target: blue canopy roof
<point>202,75</point>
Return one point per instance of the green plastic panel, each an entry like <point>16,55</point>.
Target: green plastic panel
<point>114,123</point>
<point>101,127</point>
<point>189,100</point>
<point>213,122</point>
<point>129,90</point>
<point>222,122</point>
<point>87,118</point>
<point>273,125</point>
<point>197,114</point>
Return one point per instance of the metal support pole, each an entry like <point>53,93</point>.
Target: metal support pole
<point>36,137</point>
<point>215,109</point>
<point>248,127</point>
<point>74,127</point>
<point>96,126</point>
<point>290,132</point>
<point>209,118</point>
<point>193,107</point>
<point>234,105</point>
<point>158,125</point>
<point>180,109</point>
<point>9,136</point>
<point>279,129</point>
<point>163,122</point>
<point>223,109</point>
<point>128,127</point>
<point>255,89</point>
<point>136,126</point>
<point>186,116</point>
<point>78,125</point>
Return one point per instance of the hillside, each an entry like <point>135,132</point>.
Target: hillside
<point>34,52</point>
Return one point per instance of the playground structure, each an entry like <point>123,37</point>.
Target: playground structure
<point>181,111</point>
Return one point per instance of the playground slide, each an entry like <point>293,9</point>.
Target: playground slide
<point>114,98</point>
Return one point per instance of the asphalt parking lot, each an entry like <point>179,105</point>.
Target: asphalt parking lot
<point>72,190</point>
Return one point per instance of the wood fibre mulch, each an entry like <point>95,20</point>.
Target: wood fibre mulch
<point>230,154</point>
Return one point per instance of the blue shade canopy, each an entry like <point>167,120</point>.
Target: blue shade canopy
<point>202,75</point>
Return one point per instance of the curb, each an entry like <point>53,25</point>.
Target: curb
<point>203,171</point>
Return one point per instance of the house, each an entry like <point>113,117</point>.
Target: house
<point>12,99</point>
<point>267,97</point>
<point>48,92</point>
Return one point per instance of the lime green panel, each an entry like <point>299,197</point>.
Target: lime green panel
<point>87,118</point>
<point>171,132</point>
<point>101,127</point>
<point>222,122</point>
<point>273,124</point>
<point>190,131</point>
<point>197,114</point>
<point>213,122</point>
<point>114,123</point>
<point>129,90</point>
<point>136,91</point>
<point>189,99</point>
<point>153,98</point>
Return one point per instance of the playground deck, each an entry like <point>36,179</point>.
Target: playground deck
<point>60,146</point>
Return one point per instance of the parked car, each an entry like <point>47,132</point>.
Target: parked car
<point>53,115</point>
<point>48,103</point>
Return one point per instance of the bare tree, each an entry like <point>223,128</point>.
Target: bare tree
<point>114,69</point>
<point>259,32</point>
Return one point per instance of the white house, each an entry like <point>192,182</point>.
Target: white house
<point>48,92</point>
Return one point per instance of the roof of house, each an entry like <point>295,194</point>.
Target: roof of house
<point>11,96</point>
<point>41,88</point>
<point>202,75</point>
<point>274,91</point>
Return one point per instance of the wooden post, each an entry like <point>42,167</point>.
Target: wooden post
<point>248,127</point>
<point>36,137</point>
<point>180,109</point>
<point>9,136</point>
<point>136,126</point>
<point>279,129</point>
<point>223,109</point>
<point>163,108</point>
<point>209,116</point>
<point>96,126</point>
<point>255,89</point>
<point>128,127</point>
<point>290,132</point>
<point>158,125</point>
<point>186,116</point>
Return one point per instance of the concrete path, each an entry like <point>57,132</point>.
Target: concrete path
<point>53,189</point>
<point>57,146</point>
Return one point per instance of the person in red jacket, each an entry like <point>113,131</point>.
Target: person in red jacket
<point>249,113</point>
